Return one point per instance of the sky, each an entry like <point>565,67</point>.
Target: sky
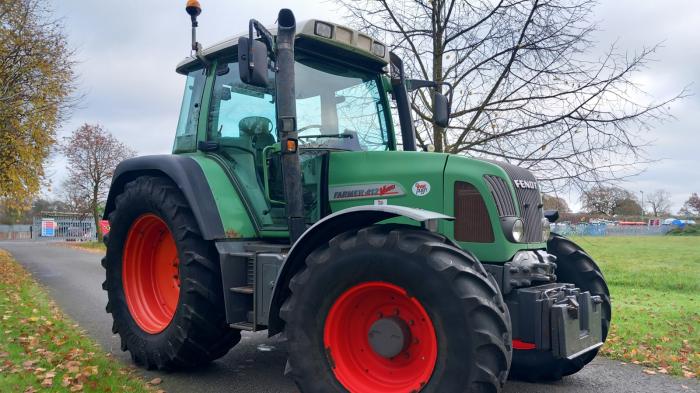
<point>127,51</point>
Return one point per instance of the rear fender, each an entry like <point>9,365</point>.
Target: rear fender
<point>327,228</point>
<point>186,174</point>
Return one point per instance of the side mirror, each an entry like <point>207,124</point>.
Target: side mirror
<point>441,110</point>
<point>551,215</point>
<point>252,62</point>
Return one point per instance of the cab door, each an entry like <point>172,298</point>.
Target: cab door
<point>240,131</point>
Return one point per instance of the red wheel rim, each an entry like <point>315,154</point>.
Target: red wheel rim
<point>355,364</point>
<point>150,273</point>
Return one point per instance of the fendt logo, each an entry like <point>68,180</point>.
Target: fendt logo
<point>531,184</point>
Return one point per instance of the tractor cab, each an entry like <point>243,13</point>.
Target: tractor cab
<point>342,102</point>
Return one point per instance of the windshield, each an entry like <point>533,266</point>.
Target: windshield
<point>337,108</point>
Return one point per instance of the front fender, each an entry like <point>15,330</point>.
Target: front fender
<point>327,228</point>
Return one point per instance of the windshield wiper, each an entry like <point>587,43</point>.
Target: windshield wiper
<point>339,136</point>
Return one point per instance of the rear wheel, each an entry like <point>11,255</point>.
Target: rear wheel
<point>576,267</point>
<point>163,280</point>
<point>395,309</point>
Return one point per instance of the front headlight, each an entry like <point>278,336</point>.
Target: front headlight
<point>513,228</point>
<point>546,229</point>
<point>518,230</point>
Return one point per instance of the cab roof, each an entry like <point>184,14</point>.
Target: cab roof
<point>342,37</point>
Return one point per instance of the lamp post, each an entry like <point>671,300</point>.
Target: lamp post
<point>642,192</point>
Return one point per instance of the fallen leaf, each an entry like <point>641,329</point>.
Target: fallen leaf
<point>649,372</point>
<point>155,381</point>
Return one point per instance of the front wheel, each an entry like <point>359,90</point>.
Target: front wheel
<point>576,267</point>
<point>395,309</point>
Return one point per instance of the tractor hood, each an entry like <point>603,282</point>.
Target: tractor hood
<point>479,193</point>
<point>412,179</point>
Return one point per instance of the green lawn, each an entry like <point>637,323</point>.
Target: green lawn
<point>655,286</point>
<point>42,350</point>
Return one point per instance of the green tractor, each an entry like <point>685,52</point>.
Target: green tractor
<point>286,206</point>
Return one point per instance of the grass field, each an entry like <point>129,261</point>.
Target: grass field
<point>655,286</point>
<point>42,350</point>
<point>90,246</point>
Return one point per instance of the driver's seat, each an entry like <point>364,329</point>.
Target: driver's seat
<point>258,130</point>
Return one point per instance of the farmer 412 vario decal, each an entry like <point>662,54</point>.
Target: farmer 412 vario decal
<point>361,191</point>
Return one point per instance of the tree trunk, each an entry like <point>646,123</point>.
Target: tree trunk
<point>95,213</point>
<point>438,132</point>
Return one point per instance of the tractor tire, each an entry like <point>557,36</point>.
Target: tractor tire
<point>163,280</point>
<point>576,267</point>
<point>445,324</point>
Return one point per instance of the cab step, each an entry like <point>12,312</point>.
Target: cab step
<point>247,290</point>
<point>243,326</point>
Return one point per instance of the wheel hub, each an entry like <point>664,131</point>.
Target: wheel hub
<point>380,339</point>
<point>389,337</point>
<point>150,273</point>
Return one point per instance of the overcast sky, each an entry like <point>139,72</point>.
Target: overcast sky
<point>128,51</point>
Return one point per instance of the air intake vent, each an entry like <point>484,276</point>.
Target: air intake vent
<point>502,196</point>
<point>472,222</point>
<point>529,200</point>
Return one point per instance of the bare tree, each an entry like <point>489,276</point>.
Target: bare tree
<point>526,87</point>
<point>76,199</point>
<point>660,202</point>
<point>691,206</point>
<point>93,153</point>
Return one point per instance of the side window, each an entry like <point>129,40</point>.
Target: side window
<point>186,133</point>
<point>360,110</point>
<point>240,113</point>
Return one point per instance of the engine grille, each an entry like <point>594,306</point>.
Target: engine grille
<point>529,200</point>
<point>501,194</point>
<point>472,223</point>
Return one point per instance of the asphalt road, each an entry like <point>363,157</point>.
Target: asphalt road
<point>256,365</point>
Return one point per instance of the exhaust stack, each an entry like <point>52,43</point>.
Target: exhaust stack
<point>287,123</point>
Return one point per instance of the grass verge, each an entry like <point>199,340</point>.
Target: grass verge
<point>42,350</point>
<point>89,246</point>
<point>654,282</point>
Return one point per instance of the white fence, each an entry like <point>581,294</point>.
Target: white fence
<point>584,229</point>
